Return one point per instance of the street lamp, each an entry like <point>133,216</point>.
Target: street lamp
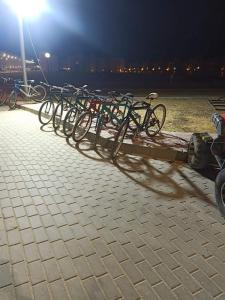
<point>25,9</point>
<point>47,55</point>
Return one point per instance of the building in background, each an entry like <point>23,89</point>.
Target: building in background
<point>9,63</point>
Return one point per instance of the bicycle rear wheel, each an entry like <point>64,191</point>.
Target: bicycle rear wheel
<point>39,93</point>
<point>12,100</point>
<point>82,126</point>
<point>156,120</point>
<point>46,111</point>
<point>69,121</point>
<point>119,139</point>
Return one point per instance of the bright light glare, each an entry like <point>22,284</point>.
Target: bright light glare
<point>27,8</point>
<point>47,55</point>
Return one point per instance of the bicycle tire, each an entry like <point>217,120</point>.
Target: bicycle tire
<point>98,130</point>
<point>3,96</point>
<point>120,134</point>
<point>57,115</point>
<point>69,121</point>
<point>78,129</point>
<point>12,100</point>
<point>40,94</point>
<point>153,120</point>
<point>46,111</point>
<point>220,191</point>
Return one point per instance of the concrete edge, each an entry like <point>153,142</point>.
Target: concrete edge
<point>164,153</point>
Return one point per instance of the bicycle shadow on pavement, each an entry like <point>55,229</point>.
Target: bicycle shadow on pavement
<point>47,128</point>
<point>163,178</point>
<point>87,149</point>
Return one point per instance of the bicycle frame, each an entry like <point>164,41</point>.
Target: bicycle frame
<point>130,116</point>
<point>22,89</point>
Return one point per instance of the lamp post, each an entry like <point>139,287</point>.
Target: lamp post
<point>22,51</point>
<point>25,9</point>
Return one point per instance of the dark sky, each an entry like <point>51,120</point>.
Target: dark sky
<point>137,30</point>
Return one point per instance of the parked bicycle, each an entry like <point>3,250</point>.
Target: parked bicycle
<point>152,122</point>
<point>36,93</point>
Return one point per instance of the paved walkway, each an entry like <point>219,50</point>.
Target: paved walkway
<point>74,226</point>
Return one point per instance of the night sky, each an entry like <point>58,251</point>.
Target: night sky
<point>137,30</point>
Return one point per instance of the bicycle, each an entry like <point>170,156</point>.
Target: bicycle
<point>105,113</point>
<point>72,101</point>
<point>152,123</point>
<point>5,88</point>
<point>47,109</point>
<point>84,102</point>
<point>36,93</point>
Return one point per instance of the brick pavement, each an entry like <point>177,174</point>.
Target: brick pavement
<point>74,226</point>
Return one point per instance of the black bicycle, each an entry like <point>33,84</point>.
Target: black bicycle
<point>151,123</point>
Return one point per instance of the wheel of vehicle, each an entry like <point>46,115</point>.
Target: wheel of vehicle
<point>198,152</point>
<point>39,93</point>
<point>220,191</point>
<point>119,139</point>
<point>69,121</point>
<point>3,97</point>
<point>82,126</point>
<point>156,120</point>
<point>46,112</point>
<point>132,125</point>
<point>98,130</point>
<point>57,116</point>
<point>12,100</point>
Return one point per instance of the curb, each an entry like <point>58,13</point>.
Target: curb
<point>163,153</point>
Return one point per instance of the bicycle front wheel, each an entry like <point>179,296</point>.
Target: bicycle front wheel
<point>46,111</point>
<point>57,116</point>
<point>98,130</point>
<point>119,138</point>
<point>12,100</point>
<point>82,126</point>
<point>38,93</point>
<point>69,121</point>
<point>156,120</point>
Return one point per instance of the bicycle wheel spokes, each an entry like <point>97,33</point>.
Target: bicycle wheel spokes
<point>119,138</point>
<point>82,126</point>
<point>46,112</point>
<point>156,120</point>
<point>69,121</point>
<point>38,93</point>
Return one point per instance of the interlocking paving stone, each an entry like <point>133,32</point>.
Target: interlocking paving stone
<point>73,226</point>
<point>76,290</point>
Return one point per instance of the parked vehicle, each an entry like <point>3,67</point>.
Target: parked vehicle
<point>203,149</point>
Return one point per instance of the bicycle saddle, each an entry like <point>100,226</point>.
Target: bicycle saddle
<point>129,95</point>
<point>152,96</point>
<point>97,91</point>
<point>30,81</point>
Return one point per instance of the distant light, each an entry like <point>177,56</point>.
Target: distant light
<point>27,8</point>
<point>4,55</point>
<point>47,55</point>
